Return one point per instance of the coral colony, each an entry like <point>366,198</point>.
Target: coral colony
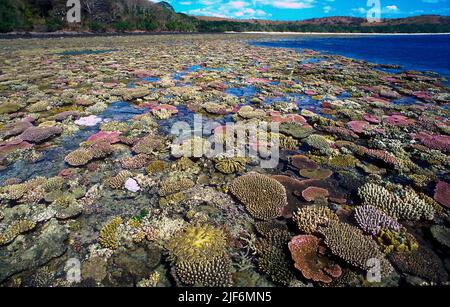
<point>206,160</point>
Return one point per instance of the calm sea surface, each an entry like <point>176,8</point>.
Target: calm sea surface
<point>411,52</point>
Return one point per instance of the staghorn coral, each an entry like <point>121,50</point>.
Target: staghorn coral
<point>308,219</point>
<point>173,185</point>
<point>79,157</point>
<point>231,165</point>
<point>214,272</point>
<point>309,259</point>
<point>196,243</point>
<point>109,237</point>
<point>350,244</point>
<point>262,196</point>
<point>118,181</point>
<point>402,204</point>
<point>371,220</point>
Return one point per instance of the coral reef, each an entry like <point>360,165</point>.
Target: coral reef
<point>108,237</point>
<point>372,221</point>
<point>402,204</point>
<point>308,219</point>
<point>262,196</point>
<point>350,244</point>
<point>305,251</point>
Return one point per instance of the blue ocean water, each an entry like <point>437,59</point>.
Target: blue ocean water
<point>411,52</point>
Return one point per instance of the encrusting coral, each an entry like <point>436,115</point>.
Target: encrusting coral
<point>262,196</point>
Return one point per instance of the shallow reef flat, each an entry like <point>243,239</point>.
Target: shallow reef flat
<point>94,193</point>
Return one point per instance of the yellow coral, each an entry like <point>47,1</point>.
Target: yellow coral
<point>109,234</point>
<point>197,242</point>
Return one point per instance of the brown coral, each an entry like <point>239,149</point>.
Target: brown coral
<point>262,196</point>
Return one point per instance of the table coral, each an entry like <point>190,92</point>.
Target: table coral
<point>305,251</point>
<point>262,196</point>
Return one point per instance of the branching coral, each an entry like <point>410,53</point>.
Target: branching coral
<point>79,157</point>
<point>309,259</point>
<point>263,196</point>
<point>402,204</point>
<point>274,263</point>
<point>371,220</point>
<point>319,143</point>
<point>421,262</point>
<point>109,233</point>
<point>118,181</point>
<point>173,185</point>
<point>17,228</point>
<point>308,219</point>
<point>350,244</point>
<point>135,162</point>
<point>399,241</point>
<point>215,272</point>
<point>148,145</point>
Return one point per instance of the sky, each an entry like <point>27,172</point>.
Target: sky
<point>304,9</point>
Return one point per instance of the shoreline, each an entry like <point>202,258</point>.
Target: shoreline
<point>63,34</point>
<point>338,34</point>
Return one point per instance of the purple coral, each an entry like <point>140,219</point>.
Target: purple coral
<point>39,134</point>
<point>372,221</point>
<point>438,142</point>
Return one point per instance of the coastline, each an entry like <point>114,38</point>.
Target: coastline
<point>336,34</point>
<point>62,34</point>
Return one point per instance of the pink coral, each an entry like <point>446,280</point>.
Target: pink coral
<point>442,193</point>
<point>372,119</point>
<point>439,142</point>
<point>314,193</point>
<point>358,126</point>
<point>111,137</point>
<point>307,254</point>
<point>399,120</point>
<point>39,134</point>
<point>382,155</point>
<point>277,117</point>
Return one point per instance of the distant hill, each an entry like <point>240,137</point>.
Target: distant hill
<point>144,15</point>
